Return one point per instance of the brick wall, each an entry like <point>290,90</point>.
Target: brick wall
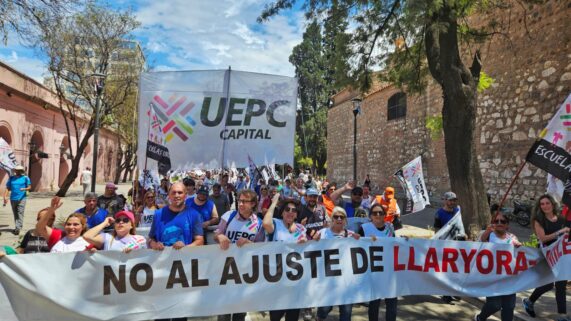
<point>532,72</point>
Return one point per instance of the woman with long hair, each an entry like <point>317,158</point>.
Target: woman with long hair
<point>497,232</point>
<point>146,212</point>
<point>122,238</point>
<point>68,240</point>
<point>548,225</point>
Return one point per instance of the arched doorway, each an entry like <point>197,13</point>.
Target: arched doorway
<point>36,145</point>
<point>63,161</point>
<point>7,136</point>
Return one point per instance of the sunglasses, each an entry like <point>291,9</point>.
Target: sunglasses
<point>501,222</point>
<point>263,189</point>
<point>377,213</point>
<point>358,195</point>
<point>123,220</point>
<point>290,210</point>
<point>338,217</point>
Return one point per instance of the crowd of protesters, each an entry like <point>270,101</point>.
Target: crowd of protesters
<point>188,208</point>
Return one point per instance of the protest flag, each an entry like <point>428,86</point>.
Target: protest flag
<point>7,158</point>
<point>156,148</point>
<point>253,172</point>
<point>453,230</point>
<point>551,152</point>
<point>412,180</point>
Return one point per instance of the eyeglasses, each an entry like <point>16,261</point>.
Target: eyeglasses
<point>501,222</point>
<point>290,210</point>
<point>244,201</point>
<point>377,213</point>
<point>123,220</point>
<point>338,217</point>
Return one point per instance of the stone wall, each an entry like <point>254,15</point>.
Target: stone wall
<point>532,72</point>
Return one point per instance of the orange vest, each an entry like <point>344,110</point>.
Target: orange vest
<point>328,203</point>
<point>390,207</point>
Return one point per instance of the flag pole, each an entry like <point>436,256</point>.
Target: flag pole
<point>511,185</point>
<point>148,133</point>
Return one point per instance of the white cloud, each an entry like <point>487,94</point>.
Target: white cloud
<point>31,67</point>
<point>218,34</point>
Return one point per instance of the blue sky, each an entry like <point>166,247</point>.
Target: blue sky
<point>198,35</point>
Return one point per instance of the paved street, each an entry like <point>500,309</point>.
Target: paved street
<point>426,308</point>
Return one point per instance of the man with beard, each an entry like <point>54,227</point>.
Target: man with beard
<point>220,200</point>
<point>93,214</point>
<point>353,206</point>
<point>204,206</point>
<point>313,216</point>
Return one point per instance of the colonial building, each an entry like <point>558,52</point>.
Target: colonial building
<point>532,72</point>
<point>31,122</point>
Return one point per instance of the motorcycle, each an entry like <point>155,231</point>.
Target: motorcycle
<point>521,213</point>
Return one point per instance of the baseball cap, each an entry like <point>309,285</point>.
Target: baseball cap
<point>110,185</point>
<point>449,196</point>
<point>127,214</point>
<point>203,190</point>
<point>389,192</point>
<point>311,191</point>
<point>19,168</point>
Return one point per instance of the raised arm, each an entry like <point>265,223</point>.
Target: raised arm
<point>42,228</point>
<point>94,236</point>
<point>348,187</point>
<point>268,222</point>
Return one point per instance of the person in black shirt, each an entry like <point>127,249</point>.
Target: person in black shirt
<point>548,226</point>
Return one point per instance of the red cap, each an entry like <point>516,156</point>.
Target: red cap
<point>127,214</point>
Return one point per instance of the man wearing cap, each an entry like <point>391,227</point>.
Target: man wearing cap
<point>446,212</point>
<point>17,186</point>
<point>204,206</point>
<point>389,204</point>
<point>354,205</point>
<point>110,201</point>
<point>240,183</point>
<point>313,216</point>
<point>93,214</point>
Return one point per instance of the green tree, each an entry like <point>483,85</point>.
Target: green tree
<point>428,35</point>
<point>80,46</point>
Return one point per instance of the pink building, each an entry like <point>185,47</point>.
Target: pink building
<point>30,120</point>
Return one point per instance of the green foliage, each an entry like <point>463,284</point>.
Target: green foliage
<point>533,241</point>
<point>434,126</point>
<point>484,82</point>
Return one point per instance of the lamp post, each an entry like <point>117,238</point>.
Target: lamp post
<point>356,110</point>
<point>98,79</point>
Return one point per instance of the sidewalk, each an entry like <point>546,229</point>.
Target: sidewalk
<point>425,308</point>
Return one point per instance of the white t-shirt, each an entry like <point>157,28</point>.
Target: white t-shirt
<point>147,217</point>
<point>508,240</point>
<point>250,228</point>
<point>66,245</point>
<point>282,233</point>
<point>370,229</point>
<point>134,242</point>
<point>85,177</point>
<point>327,233</point>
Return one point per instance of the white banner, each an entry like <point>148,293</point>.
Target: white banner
<point>201,281</point>
<point>452,229</point>
<point>411,176</point>
<point>212,119</point>
<point>7,158</point>
<point>558,256</point>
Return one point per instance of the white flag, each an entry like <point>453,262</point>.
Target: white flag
<point>452,230</point>
<point>7,158</point>
<point>412,177</point>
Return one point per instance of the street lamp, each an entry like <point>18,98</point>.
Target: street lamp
<point>356,110</point>
<point>99,84</point>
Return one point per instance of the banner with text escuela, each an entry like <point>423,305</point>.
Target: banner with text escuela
<point>215,119</point>
<point>147,284</point>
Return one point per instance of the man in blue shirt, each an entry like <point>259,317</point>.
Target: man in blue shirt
<point>446,212</point>
<point>176,225</point>
<point>204,206</point>
<point>93,214</point>
<point>18,185</point>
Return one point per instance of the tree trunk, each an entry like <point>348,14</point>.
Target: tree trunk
<point>459,86</point>
<point>120,166</point>
<point>72,175</point>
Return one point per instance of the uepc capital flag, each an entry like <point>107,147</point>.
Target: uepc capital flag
<point>214,119</point>
<point>551,152</point>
